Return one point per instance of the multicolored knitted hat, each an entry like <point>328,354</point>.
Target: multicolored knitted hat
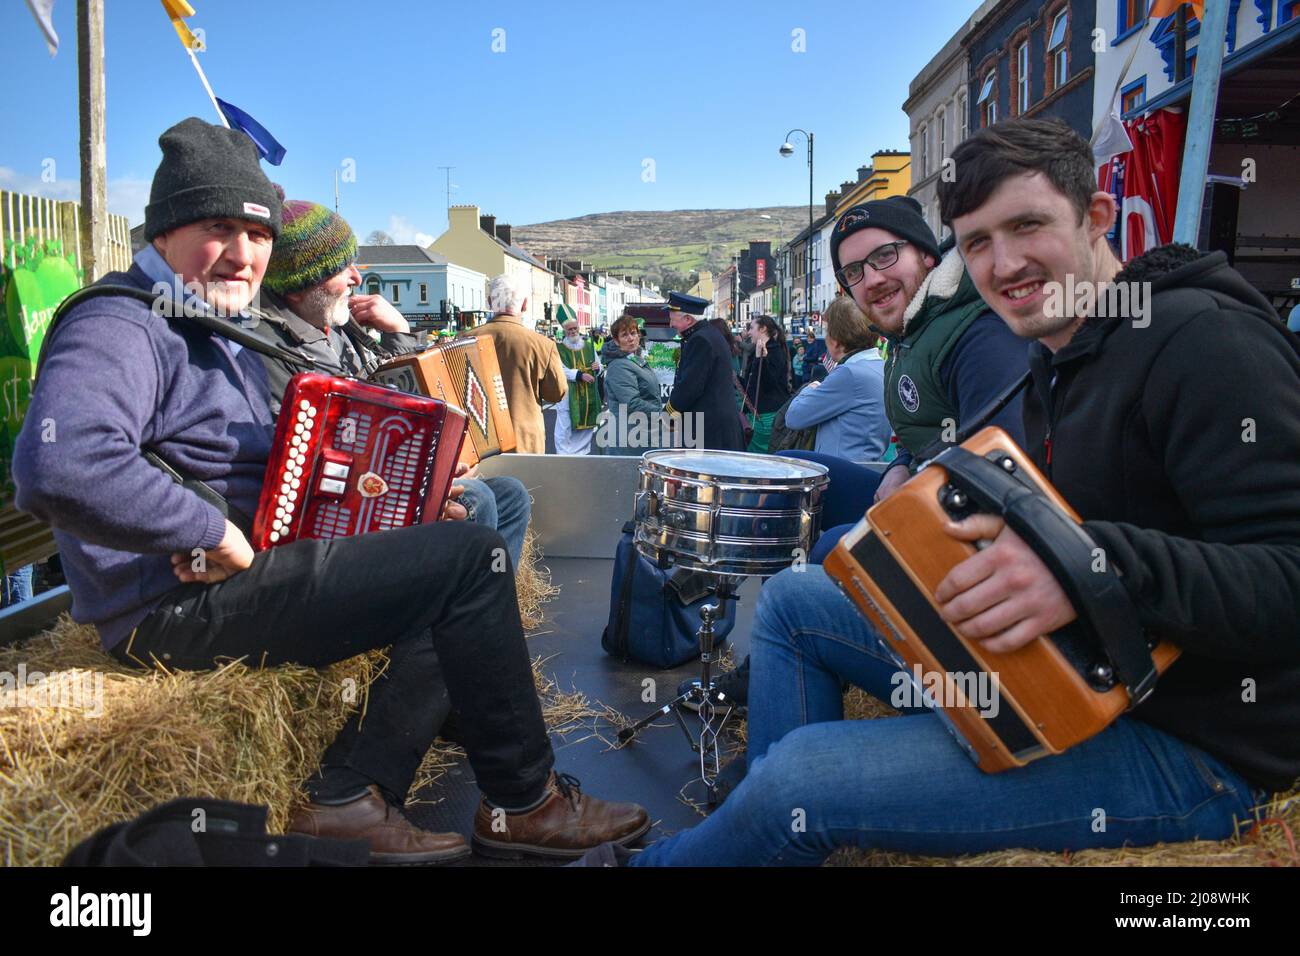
<point>314,244</point>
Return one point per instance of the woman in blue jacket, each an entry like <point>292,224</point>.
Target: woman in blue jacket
<point>632,391</point>
<point>848,407</point>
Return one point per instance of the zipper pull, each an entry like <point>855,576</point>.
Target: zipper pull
<point>1047,446</point>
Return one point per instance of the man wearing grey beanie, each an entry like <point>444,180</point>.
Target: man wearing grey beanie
<point>166,577</point>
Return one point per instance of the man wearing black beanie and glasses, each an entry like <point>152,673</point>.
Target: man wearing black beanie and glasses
<point>949,353</point>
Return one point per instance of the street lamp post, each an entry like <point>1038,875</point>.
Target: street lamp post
<point>780,268</point>
<point>788,150</point>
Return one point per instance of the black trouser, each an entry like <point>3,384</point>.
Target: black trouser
<point>431,592</point>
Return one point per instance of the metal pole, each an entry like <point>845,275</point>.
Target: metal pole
<point>1200,121</point>
<point>807,295</point>
<point>94,152</point>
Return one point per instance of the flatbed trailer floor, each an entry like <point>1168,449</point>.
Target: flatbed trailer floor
<point>655,770</point>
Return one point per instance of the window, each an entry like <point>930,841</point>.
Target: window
<point>1287,10</point>
<point>424,293</point>
<point>921,137</point>
<point>988,100</point>
<point>964,117</point>
<point>1022,78</point>
<point>373,286</point>
<point>941,136</point>
<point>1132,14</point>
<point>397,294</point>
<point>1133,96</point>
<point>1057,50</point>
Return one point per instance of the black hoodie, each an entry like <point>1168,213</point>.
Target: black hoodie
<point>1178,443</point>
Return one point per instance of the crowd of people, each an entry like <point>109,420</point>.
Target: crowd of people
<point>1187,483</point>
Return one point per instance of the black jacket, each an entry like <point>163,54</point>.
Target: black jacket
<point>767,379</point>
<point>705,384</point>
<point>1179,445</point>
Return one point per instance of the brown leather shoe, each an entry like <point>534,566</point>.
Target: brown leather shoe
<point>566,825</point>
<point>394,841</point>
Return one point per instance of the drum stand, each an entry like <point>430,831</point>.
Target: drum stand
<point>706,745</point>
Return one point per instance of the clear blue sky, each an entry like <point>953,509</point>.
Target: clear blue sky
<point>557,125</point>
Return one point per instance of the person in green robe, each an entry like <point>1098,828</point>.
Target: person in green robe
<point>573,431</point>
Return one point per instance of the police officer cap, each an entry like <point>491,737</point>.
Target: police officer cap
<point>690,304</point>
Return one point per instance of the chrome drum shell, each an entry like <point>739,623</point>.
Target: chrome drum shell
<point>727,512</point>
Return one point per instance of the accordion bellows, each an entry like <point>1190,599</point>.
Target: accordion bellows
<point>350,458</point>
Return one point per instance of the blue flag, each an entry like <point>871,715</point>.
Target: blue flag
<point>267,145</point>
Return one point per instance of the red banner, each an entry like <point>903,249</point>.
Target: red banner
<point>1145,181</point>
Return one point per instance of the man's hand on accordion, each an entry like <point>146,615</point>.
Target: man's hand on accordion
<point>231,556</point>
<point>1004,596</point>
<point>454,510</point>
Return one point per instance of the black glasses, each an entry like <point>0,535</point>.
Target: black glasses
<point>880,259</point>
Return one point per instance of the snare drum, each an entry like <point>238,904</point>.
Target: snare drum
<point>728,512</point>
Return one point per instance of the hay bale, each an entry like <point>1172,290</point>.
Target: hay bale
<point>236,733</point>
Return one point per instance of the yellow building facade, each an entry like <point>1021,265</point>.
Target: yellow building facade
<point>890,175</point>
<point>467,243</point>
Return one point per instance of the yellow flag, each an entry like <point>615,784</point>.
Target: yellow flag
<point>177,10</point>
<point>1165,8</point>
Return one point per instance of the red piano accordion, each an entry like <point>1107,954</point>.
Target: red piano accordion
<point>1050,694</point>
<point>466,374</point>
<point>350,457</point>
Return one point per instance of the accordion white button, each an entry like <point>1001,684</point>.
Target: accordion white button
<point>304,404</point>
<point>333,486</point>
<point>279,512</point>
<point>294,483</point>
<point>275,536</point>
<point>302,416</point>
<point>293,496</point>
<point>333,469</point>
<point>297,470</point>
<point>278,525</point>
<point>311,411</point>
<point>297,429</point>
<point>284,488</point>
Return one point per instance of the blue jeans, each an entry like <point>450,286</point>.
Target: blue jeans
<point>817,781</point>
<point>17,587</point>
<point>850,493</point>
<point>501,503</point>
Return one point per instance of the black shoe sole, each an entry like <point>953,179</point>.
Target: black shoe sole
<point>512,851</point>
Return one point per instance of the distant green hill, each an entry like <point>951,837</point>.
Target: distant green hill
<point>655,244</point>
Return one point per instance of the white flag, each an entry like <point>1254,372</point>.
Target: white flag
<point>1110,139</point>
<point>43,11</point>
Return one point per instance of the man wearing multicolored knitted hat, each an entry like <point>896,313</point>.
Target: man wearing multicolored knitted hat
<point>308,298</point>
<point>309,305</point>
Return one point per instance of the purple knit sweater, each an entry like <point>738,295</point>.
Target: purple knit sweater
<point>115,378</point>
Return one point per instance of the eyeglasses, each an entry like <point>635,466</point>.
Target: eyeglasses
<point>880,259</point>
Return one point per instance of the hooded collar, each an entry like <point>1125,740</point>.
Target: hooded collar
<point>942,283</point>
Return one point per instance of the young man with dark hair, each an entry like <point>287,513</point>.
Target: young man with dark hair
<point>1190,486</point>
<point>121,377</point>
